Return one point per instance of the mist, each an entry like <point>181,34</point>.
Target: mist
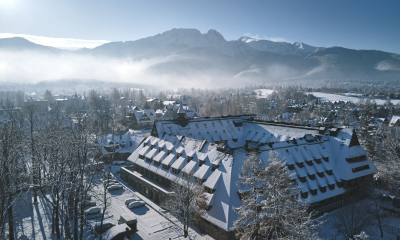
<point>35,66</point>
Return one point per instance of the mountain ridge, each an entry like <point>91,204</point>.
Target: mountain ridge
<point>189,52</point>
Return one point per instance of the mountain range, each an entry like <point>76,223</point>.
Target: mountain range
<point>188,52</point>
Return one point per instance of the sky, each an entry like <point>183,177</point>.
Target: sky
<point>73,24</point>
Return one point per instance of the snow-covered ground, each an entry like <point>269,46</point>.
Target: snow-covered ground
<point>264,92</point>
<point>336,97</point>
<point>390,223</point>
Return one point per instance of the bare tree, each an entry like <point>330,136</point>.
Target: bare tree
<point>350,220</point>
<point>187,202</point>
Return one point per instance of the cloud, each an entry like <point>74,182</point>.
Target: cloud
<point>63,43</point>
<point>263,37</point>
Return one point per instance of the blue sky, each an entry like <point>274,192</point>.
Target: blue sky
<point>352,24</point>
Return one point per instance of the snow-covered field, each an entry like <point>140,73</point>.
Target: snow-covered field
<point>336,97</point>
<point>264,92</point>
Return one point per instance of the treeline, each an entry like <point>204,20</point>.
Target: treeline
<point>44,155</point>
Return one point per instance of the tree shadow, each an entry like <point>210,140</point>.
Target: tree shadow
<point>39,217</point>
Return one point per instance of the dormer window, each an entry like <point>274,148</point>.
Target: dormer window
<point>166,167</point>
<point>208,207</point>
<point>186,175</point>
<point>318,161</point>
<point>291,166</point>
<point>214,167</point>
<point>302,179</point>
<point>326,159</point>
<point>176,171</point>
<point>309,163</point>
<point>331,186</point>
<point>199,180</point>
<point>144,144</point>
<point>190,158</point>
<point>304,195</point>
<point>201,162</point>
<point>322,189</point>
<point>320,174</point>
<point>178,155</point>
<point>160,149</point>
<point>312,176</point>
<point>157,163</point>
<point>169,152</point>
<point>141,156</point>
<point>329,172</point>
<point>149,160</point>
<point>314,192</point>
<point>234,139</point>
<point>300,164</point>
<point>209,190</point>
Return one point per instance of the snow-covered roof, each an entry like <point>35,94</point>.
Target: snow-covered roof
<point>319,161</point>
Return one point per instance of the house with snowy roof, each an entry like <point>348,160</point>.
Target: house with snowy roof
<point>328,164</point>
<point>141,118</point>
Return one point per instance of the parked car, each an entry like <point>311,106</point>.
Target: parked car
<point>118,232</point>
<point>129,200</point>
<point>110,175</point>
<point>92,210</point>
<point>89,203</point>
<point>136,204</point>
<point>106,226</point>
<point>114,187</point>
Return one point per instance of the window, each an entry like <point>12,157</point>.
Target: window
<point>318,161</point>
<point>291,166</point>
<point>326,159</point>
<point>149,160</point>
<point>331,186</point>
<point>201,162</point>
<point>322,189</point>
<point>300,164</point>
<point>329,172</point>
<point>166,166</point>
<point>314,192</point>
<point>141,156</point>
<point>234,139</point>
<point>309,163</point>
<point>305,148</point>
<point>157,163</point>
<point>214,166</point>
<point>304,195</point>
<point>312,176</point>
<point>209,190</point>
<point>357,159</point>
<point>199,180</point>
<point>178,155</point>
<point>169,152</point>
<point>320,174</point>
<point>287,151</point>
<point>176,171</point>
<point>190,158</point>
<point>186,175</point>
<point>302,179</point>
<point>357,169</point>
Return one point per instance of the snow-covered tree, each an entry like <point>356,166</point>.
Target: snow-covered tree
<point>186,202</point>
<point>252,179</point>
<point>286,214</point>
